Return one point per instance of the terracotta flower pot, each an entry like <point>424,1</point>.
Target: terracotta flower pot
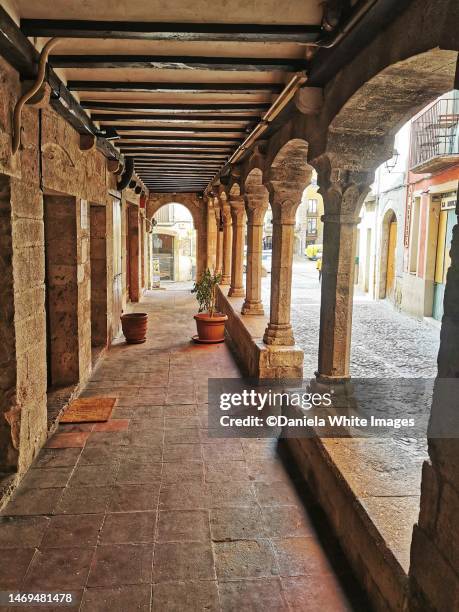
<point>134,326</point>
<point>211,329</point>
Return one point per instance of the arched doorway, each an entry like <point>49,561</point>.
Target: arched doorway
<point>173,244</point>
<point>388,256</point>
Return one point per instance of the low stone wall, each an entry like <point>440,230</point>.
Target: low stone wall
<point>246,336</point>
<point>372,561</point>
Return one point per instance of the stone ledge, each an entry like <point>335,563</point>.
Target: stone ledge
<point>378,554</point>
<point>246,338</point>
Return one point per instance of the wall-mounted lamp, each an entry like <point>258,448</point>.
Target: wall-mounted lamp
<point>391,163</point>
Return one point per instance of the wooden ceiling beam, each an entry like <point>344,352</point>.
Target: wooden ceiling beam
<point>174,87</point>
<point>171,31</point>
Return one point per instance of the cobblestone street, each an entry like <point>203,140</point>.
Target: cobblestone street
<point>384,341</point>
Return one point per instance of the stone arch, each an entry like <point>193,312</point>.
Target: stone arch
<point>361,131</point>
<point>195,205</point>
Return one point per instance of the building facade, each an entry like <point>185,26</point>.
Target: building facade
<point>174,243</point>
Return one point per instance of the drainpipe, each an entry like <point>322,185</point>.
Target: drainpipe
<point>32,91</point>
<point>297,81</point>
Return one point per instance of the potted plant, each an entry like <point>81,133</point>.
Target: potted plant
<point>210,324</point>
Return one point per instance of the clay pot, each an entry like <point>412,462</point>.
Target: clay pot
<point>134,326</point>
<point>211,329</point>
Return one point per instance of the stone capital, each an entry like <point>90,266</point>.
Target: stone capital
<point>342,189</point>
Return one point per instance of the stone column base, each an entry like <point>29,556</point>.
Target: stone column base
<point>258,360</point>
<point>252,308</point>
<point>280,335</point>
<point>236,292</point>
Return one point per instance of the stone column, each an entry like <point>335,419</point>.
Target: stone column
<point>343,198</point>
<point>239,223</point>
<point>227,244</point>
<point>219,254</point>
<point>256,205</point>
<point>212,230</point>
<point>279,330</point>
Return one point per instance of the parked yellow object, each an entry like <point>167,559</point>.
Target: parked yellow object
<point>313,251</point>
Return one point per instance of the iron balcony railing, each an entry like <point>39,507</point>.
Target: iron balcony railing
<point>435,137</point>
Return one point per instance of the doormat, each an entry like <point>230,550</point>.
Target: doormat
<point>89,410</point>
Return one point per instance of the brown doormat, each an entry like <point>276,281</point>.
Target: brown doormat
<point>89,410</point>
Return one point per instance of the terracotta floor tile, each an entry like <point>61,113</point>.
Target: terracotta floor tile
<point>312,594</point>
<point>13,567</point>
<point>99,455</point>
<point>254,596</point>
<point>301,557</point>
<point>223,450</point>
<point>132,472</point>
<point>59,568</point>
<point>72,531</point>
<point>276,494</point>
<point>68,440</point>
<point>182,452</point>
<point>112,425</point>
<point>32,501</point>
<point>47,478</point>
<point>236,523</point>
<point>180,471</point>
<point>118,564</point>
<point>94,475</point>
<point>244,559</point>
<point>182,436</point>
<point>183,526</point>
<point>186,596</point>
<point>132,598</point>
<point>84,500</point>
<point>183,496</point>
<point>287,523</point>
<point>103,438</point>
<point>130,498</point>
<point>183,561</point>
<point>54,457</point>
<point>22,531</point>
<point>219,471</point>
<point>128,528</point>
<point>230,494</point>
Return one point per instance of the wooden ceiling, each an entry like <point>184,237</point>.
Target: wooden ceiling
<point>179,85</point>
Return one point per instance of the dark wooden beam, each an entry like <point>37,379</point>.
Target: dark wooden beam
<point>15,47</point>
<point>143,107</point>
<point>174,62</point>
<point>128,140</point>
<point>195,156</point>
<point>175,87</point>
<point>301,33</point>
<point>173,147</point>
<point>173,119</point>
<point>168,132</point>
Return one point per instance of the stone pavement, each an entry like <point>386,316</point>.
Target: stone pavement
<point>146,512</point>
<point>385,343</point>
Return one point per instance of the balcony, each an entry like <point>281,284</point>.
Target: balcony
<point>435,137</point>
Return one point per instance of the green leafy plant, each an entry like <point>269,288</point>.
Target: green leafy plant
<point>206,291</point>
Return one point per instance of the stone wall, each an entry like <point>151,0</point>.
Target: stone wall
<point>49,162</point>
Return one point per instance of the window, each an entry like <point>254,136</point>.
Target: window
<point>312,226</point>
<point>312,206</point>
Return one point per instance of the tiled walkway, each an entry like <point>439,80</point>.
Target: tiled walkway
<point>147,512</point>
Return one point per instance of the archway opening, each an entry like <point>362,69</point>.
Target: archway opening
<point>173,246</point>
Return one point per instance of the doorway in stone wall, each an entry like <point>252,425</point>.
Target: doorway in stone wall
<point>98,257</point>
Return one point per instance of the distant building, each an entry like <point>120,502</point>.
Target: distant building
<point>174,243</point>
<point>405,232</point>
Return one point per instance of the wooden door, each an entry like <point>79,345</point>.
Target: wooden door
<point>391,248</point>
<point>117,268</point>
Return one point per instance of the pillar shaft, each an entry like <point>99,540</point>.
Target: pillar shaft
<point>279,330</point>
<point>212,230</point>
<point>237,263</point>
<point>227,245</point>
<point>344,192</point>
<point>219,252</point>
<point>256,210</point>
<point>337,296</point>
